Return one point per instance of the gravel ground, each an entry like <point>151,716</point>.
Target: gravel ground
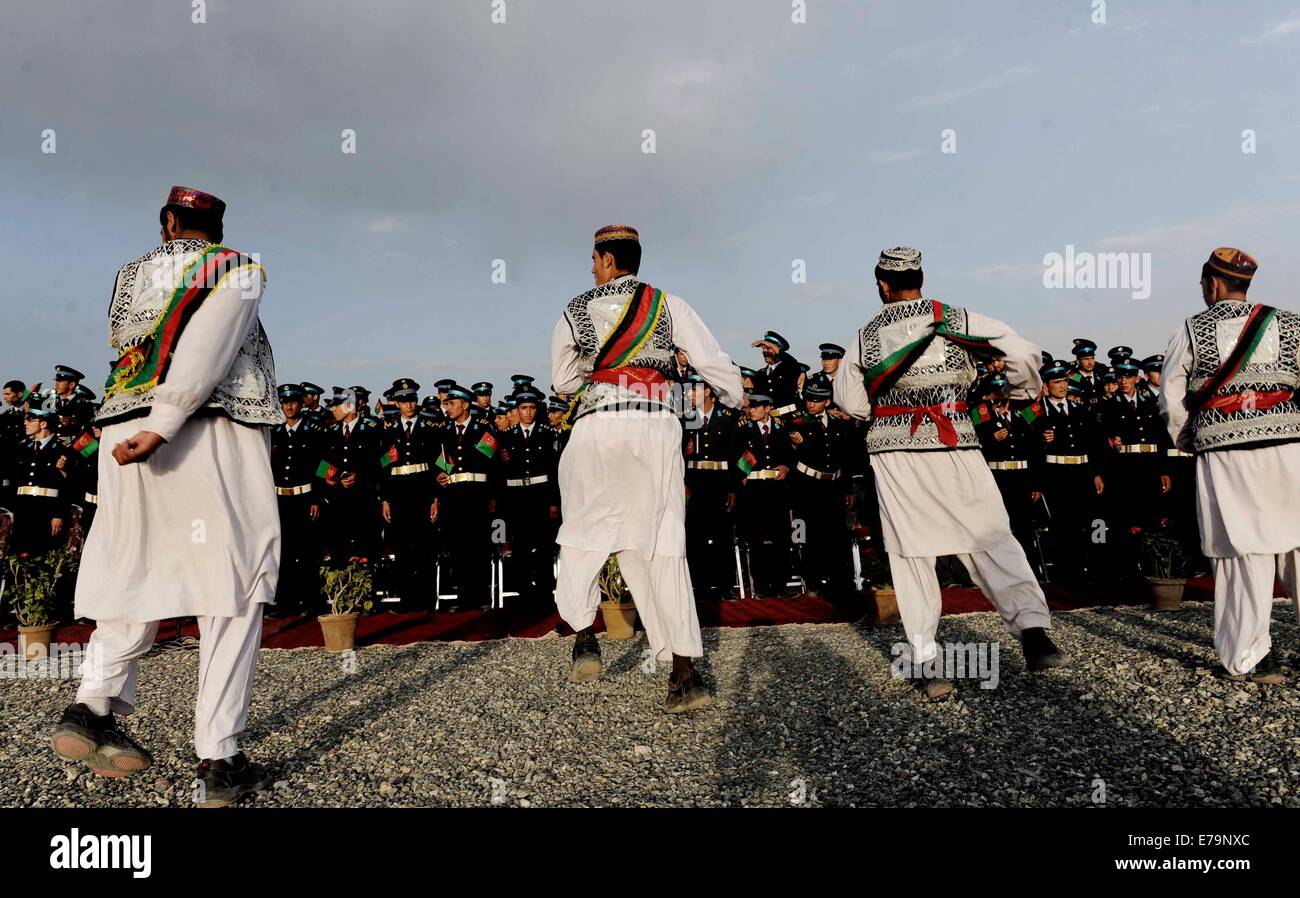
<point>804,715</point>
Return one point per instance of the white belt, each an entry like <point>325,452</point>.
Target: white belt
<point>1008,465</point>
<point>38,491</point>
<point>1178,453</point>
<point>785,408</point>
<point>703,465</point>
<point>813,472</point>
<point>409,469</point>
<point>467,477</point>
<point>764,474</point>
<point>1066,459</point>
<point>1130,448</point>
<point>528,481</point>
<point>293,490</point>
<point>92,498</point>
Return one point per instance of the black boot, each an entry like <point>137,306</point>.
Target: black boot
<point>1040,652</point>
<point>586,657</point>
<point>686,689</point>
<point>101,742</point>
<point>228,780</point>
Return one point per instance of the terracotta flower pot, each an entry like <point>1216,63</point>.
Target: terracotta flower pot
<point>884,604</point>
<point>1166,594</point>
<point>34,642</point>
<point>340,631</point>
<point>620,619</point>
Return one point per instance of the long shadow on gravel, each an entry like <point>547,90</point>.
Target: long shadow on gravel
<point>1172,646</point>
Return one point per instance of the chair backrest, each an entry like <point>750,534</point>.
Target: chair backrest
<point>6,528</point>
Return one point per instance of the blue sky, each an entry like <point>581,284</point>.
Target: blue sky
<point>775,141</point>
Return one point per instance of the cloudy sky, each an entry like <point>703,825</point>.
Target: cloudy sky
<point>774,142</point>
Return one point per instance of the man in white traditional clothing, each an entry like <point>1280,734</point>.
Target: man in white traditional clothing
<point>187,521</point>
<point>1228,394</point>
<point>908,372</point>
<point>622,477</point>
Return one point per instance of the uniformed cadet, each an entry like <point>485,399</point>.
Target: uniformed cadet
<point>763,505</point>
<point>468,477</point>
<point>711,447</point>
<point>43,478</point>
<point>483,394</point>
<point>531,498</point>
<point>1012,451</point>
<point>832,354</point>
<point>1152,368</point>
<point>407,492</point>
<point>1085,364</point>
<point>350,469</point>
<point>820,489</point>
<point>296,452</point>
<point>11,435</point>
<point>83,484</point>
<point>781,378</point>
<point>66,381</point>
<point>364,409</point>
<point>312,413</point>
<point>521,383</point>
<point>1071,480</point>
<point>556,411</point>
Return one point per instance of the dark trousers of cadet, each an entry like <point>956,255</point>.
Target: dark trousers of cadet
<point>1133,501</point>
<point>466,526</point>
<point>354,524</point>
<point>827,566</point>
<point>1179,504</point>
<point>531,535</point>
<point>1073,504</point>
<point>710,541</point>
<point>299,587</point>
<point>1017,488</point>
<point>410,535</point>
<point>32,519</point>
<point>763,519</point>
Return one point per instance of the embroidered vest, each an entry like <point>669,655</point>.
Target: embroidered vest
<point>943,374</point>
<point>592,316</point>
<point>140,295</point>
<point>1273,367</point>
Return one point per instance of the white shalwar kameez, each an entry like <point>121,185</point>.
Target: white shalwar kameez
<point>1248,507</point>
<point>622,492</point>
<point>192,530</point>
<point>946,502</point>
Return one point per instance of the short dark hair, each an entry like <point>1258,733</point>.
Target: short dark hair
<point>910,279</point>
<point>1234,285</point>
<point>188,219</point>
<point>626,253</point>
<point>16,385</point>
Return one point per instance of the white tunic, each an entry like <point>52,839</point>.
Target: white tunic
<point>1246,499</point>
<point>194,529</point>
<point>941,502</point>
<point>622,478</point>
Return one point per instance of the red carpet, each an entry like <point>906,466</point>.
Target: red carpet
<point>522,621</point>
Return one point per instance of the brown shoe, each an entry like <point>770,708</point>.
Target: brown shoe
<point>586,666</point>
<point>687,692</point>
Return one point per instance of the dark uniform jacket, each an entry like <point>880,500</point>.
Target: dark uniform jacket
<point>713,449</point>
<point>37,466</point>
<point>465,455</point>
<point>296,454</point>
<point>401,451</point>
<point>825,448</point>
<point>527,458</point>
<point>357,453</point>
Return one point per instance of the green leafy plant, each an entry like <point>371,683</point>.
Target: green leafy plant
<point>348,589</point>
<point>612,586</point>
<point>1164,557</point>
<point>876,573</point>
<point>30,583</point>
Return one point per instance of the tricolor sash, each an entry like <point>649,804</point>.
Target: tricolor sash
<point>885,373</point>
<point>1252,332</point>
<point>636,323</point>
<point>144,365</point>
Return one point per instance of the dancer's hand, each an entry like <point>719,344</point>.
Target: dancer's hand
<point>137,448</point>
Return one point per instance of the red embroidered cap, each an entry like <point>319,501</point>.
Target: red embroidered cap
<point>189,198</point>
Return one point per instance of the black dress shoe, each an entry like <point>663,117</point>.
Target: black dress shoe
<point>229,780</point>
<point>586,665</point>
<point>1040,652</point>
<point>101,742</point>
<point>686,692</point>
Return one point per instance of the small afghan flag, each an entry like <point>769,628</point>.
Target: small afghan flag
<point>443,464</point>
<point>389,457</point>
<point>487,445</point>
<point>747,462</point>
<point>980,414</point>
<point>326,470</point>
<point>1031,413</point>
<point>86,444</point>
<point>688,495</point>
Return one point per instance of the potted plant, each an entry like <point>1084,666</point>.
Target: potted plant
<point>1166,565</point>
<point>348,591</point>
<point>878,587</point>
<point>30,584</point>
<point>616,606</point>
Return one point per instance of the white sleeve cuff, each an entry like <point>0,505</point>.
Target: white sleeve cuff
<point>165,420</point>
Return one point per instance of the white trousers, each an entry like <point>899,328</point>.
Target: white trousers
<point>1002,573</point>
<point>1243,605</point>
<point>660,588</point>
<point>227,662</point>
